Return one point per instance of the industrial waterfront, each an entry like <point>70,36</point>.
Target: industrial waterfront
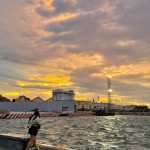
<point>77,72</point>
<point>64,101</point>
<point>89,132</point>
<point>89,125</point>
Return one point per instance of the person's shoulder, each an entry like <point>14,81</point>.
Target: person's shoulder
<point>38,117</point>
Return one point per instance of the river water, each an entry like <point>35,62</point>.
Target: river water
<point>89,132</point>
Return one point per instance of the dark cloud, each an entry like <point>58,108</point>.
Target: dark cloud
<point>32,87</point>
<point>87,32</point>
<point>132,90</point>
<point>63,6</point>
<point>83,78</point>
<point>117,30</point>
<point>136,19</point>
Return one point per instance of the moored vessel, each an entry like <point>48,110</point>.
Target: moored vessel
<point>103,113</point>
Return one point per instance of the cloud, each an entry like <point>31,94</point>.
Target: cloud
<point>83,40</point>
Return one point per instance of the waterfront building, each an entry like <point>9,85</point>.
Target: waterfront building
<point>22,99</point>
<point>102,106</point>
<point>46,106</point>
<point>4,99</point>
<point>38,99</point>
<point>118,107</point>
<point>88,105</point>
<point>49,99</point>
<point>84,105</point>
<point>65,101</point>
<point>59,94</point>
<point>114,107</point>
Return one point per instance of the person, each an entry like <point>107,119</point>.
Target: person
<point>33,125</point>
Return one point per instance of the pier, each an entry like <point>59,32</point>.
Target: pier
<point>19,142</point>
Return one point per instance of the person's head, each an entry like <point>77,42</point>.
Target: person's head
<point>36,112</point>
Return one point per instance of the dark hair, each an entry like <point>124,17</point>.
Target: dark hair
<point>37,113</point>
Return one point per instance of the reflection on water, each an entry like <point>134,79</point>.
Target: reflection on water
<point>89,133</point>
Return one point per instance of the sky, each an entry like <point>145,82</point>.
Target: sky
<point>75,45</point>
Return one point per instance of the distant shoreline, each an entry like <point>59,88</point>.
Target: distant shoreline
<point>133,113</point>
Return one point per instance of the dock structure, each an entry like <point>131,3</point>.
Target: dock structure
<point>19,142</point>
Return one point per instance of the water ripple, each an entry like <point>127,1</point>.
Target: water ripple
<point>89,133</point>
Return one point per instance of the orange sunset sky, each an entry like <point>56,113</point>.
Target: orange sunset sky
<point>76,44</point>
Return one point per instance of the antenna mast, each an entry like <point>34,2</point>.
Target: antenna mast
<point>109,92</point>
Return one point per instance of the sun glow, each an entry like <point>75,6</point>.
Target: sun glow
<point>22,83</point>
<point>63,17</point>
<point>11,94</point>
<point>48,3</point>
<point>46,81</point>
<point>47,93</point>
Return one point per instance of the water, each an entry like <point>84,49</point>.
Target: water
<point>89,132</point>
